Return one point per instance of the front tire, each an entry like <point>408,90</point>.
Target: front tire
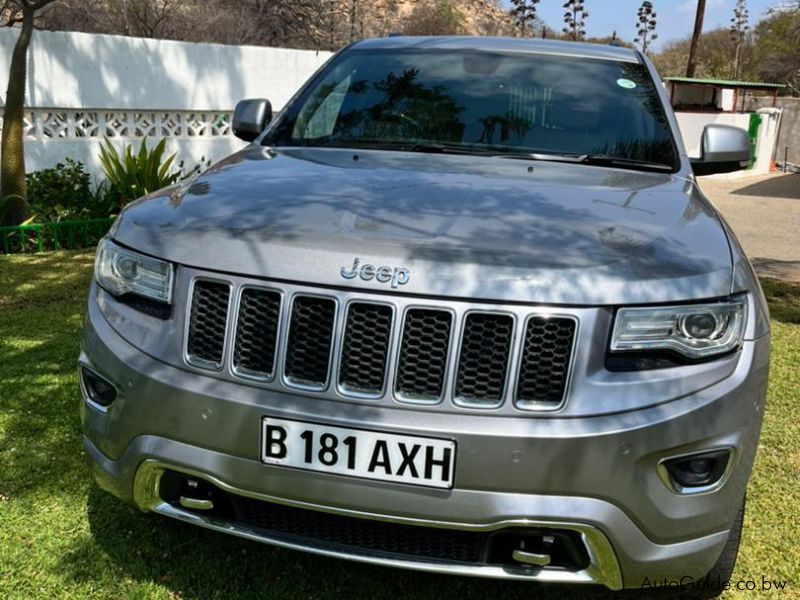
<point>713,584</point>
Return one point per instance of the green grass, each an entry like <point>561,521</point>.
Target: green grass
<point>784,300</point>
<point>62,537</point>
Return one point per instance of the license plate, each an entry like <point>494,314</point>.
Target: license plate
<point>422,461</point>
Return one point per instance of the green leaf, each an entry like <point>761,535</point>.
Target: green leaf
<point>137,172</point>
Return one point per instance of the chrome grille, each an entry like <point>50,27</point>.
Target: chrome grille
<point>308,350</point>
<point>483,361</point>
<point>207,324</point>
<point>423,354</point>
<point>546,354</point>
<point>376,347</point>
<point>365,351</point>
<point>257,333</point>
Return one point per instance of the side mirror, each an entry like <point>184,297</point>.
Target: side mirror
<point>251,117</point>
<point>724,149</point>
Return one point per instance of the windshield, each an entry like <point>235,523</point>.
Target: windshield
<point>434,100</point>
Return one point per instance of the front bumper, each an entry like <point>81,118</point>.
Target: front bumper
<point>597,476</point>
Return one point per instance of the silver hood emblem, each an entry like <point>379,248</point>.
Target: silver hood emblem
<point>396,276</point>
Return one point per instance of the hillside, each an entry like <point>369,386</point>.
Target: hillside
<point>423,17</point>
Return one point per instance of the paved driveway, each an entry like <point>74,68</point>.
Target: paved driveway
<point>764,212</point>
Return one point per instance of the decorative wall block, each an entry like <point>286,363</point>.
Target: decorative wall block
<point>41,124</point>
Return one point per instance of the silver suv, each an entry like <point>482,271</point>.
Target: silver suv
<point>460,307</point>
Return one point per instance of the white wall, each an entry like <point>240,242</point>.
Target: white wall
<point>726,99</point>
<point>84,87</point>
<point>81,70</point>
<point>767,139</point>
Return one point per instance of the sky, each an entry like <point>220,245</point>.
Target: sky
<point>675,17</point>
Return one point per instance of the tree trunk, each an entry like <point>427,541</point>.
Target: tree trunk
<point>698,30</point>
<point>14,204</point>
<point>737,57</point>
<point>575,25</point>
<point>352,21</point>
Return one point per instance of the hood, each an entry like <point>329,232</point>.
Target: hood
<point>460,226</point>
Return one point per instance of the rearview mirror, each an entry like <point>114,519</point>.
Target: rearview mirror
<point>251,117</point>
<point>723,149</point>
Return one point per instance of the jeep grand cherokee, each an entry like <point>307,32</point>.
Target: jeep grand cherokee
<point>460,307</point>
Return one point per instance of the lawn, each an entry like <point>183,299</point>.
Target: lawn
<point>62,537</point>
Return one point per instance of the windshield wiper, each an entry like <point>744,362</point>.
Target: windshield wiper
<point>433,147</point>
<point>602,160</point>
<point>567,158</point>
<point>624,163</point>
<point>399,146</point>
<point>327,142</point>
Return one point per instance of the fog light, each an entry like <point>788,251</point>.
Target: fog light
<point>696,472</point>
<point>97,389</point>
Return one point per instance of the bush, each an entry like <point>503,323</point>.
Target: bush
<point>131,176</point>
<point>65,192</point>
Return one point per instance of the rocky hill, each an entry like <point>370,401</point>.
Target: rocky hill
<point>426,17</point>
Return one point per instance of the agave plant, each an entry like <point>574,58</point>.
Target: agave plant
<point>132,175</point>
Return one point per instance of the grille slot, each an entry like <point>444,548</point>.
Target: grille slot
<point>546,355</point>
<point>483,360</point>
<point>308,350</point>
<point>366,348</point>
<point>362,535</point>
<point>208,317</point>
<point>423,354</point>
<point>257,333</point>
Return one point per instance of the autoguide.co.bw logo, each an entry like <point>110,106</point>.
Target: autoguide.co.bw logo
<point>764,584</point>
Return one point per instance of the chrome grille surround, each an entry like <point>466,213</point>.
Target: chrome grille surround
<point>568,355</point>
<point>188,355</point>
<point>236,367</point>
<point>332,390</point>
<point>448,362</point>
<point>342,386</point>
<point>288,341</point>
<point>462,399</point>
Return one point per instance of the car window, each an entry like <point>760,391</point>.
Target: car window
<point>516,102</point>
<point>319,115</point>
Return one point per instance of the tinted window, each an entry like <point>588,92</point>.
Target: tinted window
<point>480,100</point>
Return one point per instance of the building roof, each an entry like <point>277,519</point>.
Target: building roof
<point>728,83</point>
<point>500,44</point>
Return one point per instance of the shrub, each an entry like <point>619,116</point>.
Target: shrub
<point>131,176</point>
<point>65,192</point>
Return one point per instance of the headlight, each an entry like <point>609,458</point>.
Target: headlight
<point>121,271</point>
<point>696,331</point>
